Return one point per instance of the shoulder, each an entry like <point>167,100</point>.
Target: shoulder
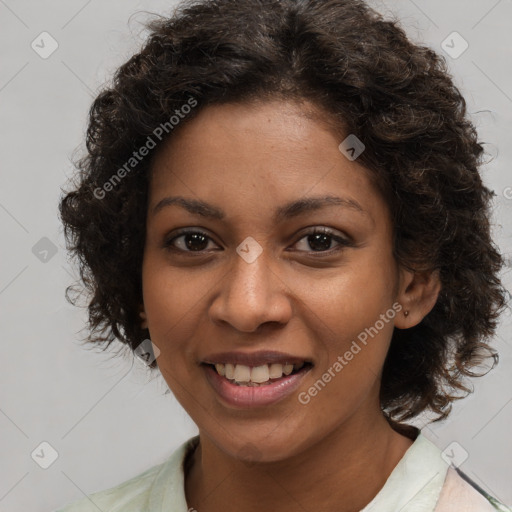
<point>459,492</point>
<point>125,496</point>
<point>140,492</point>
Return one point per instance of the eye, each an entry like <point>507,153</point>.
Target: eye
<point>320,239</point>
<point>189,241</point>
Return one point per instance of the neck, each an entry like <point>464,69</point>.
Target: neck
<point>343,471</point>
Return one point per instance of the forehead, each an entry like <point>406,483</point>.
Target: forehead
<point>250,155</point>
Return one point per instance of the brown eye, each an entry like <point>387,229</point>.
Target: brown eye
<point>188,241</point>
<point>320,240</point>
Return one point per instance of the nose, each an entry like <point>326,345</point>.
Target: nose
<point>251,294</point>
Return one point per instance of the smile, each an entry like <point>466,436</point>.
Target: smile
<point>254,380</point>
<point>263,375</point>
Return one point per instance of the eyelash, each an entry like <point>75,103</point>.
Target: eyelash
<point>168,244</point>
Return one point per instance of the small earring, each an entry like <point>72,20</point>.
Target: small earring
<point>406,313</point>
<point>144,323</point>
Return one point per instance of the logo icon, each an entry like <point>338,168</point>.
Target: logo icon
<point>44,45</point>
<point>454,454</point>
<point>454,45</point>
<point>352,147</point>
<point>44,455</point>
<point>147,352</point>
<point>44,250</point>
<point>249,249</point>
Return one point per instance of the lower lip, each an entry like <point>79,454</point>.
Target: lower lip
<point>254,396</point>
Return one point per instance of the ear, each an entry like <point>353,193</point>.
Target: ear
<point>418,293</point>
<point>142,314</point>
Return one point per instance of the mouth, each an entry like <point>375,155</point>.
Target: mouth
<point>263,375</point>
<point>243,386</point>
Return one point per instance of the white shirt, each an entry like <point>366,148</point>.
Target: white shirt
<point>421,482</point>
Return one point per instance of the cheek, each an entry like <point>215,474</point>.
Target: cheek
<point>352,318</point>
<point>355,348</point>
<point>170,303</point>
<point>350,301</point>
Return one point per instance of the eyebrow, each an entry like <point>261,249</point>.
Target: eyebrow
<point>287,211</point>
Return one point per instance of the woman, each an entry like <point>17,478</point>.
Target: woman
<point>284,197</point>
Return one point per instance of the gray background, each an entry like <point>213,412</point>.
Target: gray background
<point>105,416</point>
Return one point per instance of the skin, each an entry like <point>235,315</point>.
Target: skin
<point>336,452</point>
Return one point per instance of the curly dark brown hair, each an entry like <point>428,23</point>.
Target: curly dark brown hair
<point>371,81</point>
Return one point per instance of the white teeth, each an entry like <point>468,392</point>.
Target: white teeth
<point>287,369</point>
<point>242,373</point>
<point>260,373</point>
<point>276,371</point>
<point>230,371</point>
<point>254,376</point>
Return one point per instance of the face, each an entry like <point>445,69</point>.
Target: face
<point>253,267</point>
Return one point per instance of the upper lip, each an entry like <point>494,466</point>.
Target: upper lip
<point>254,358</point>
